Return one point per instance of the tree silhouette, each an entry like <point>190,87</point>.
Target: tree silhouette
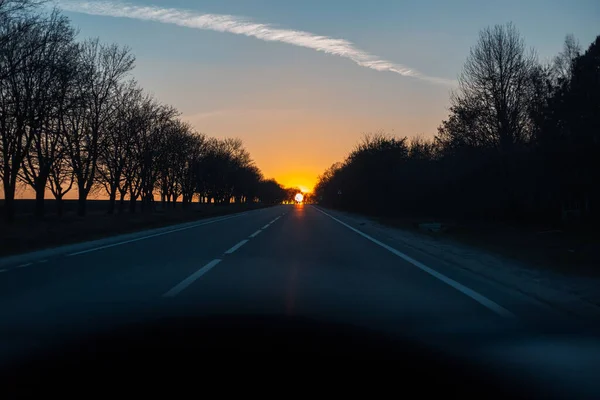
<point>70,119</point>
<point>100,70</point>
<point>521,143</point>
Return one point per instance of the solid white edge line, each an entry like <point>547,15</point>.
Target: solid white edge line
<point>237,246</point>
<point>484,301</point>
<point>191,279</point>
<point>151,236</point>
<point>255,234</point>
<point>266,226</point>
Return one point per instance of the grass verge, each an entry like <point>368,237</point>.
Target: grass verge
<point>29,234</point>
<point>569,251</point>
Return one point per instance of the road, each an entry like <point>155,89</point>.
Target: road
<point>299,260</point>
<point>291,260</point>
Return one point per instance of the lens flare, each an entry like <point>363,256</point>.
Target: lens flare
<point>299,198</point>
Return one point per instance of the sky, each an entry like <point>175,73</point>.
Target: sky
<point>301,89</point>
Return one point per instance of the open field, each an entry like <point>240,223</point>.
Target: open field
<point>28,234</point>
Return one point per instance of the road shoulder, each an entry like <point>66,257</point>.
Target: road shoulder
<point>571,294</point>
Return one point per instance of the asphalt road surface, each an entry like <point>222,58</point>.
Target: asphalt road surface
<point>292,260</point>
<point>296,260</point>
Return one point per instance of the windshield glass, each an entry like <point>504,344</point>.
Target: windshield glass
<point>422,164</point>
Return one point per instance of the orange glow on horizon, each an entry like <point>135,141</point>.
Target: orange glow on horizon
<point>304,181</point>
<point>294,145</point>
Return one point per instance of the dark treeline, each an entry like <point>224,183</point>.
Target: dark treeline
<point>521,143</point>
<point>72,118</point>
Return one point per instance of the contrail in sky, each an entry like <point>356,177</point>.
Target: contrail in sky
<point>244,26</point>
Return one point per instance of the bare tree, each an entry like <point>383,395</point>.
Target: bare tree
<point>183,149</point>
<point>195,151</point>
<point>142,139</point>
<point>143,169</point>
<point>238,162</point>
<point>562,65</point>
<point>17,18</point>
<point>121,133</point>
<point>15,103</point>
<point>102,68</point>
<point>50,79</point>
<point>494,87</point>
<point>170,156</point>
<point>161,124</point>
<point>246,181</point>
<point>12,8</point>
<point>60,180</point>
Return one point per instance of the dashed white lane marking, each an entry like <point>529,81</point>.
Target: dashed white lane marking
<point>196,275</point>
<point>3,270</point>
<point>155,235</point>
<point>191,279</point>
<point>484,301</point>
<point>273,221</point>
<point>24,265</point>
<point>237,246</point>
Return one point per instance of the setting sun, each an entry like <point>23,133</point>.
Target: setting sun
<point>299,198</point>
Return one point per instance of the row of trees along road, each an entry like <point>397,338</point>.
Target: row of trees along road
<point>72,118</point>
<point>522,142</point>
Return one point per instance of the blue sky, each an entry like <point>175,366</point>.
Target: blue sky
<point>312,105</point>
